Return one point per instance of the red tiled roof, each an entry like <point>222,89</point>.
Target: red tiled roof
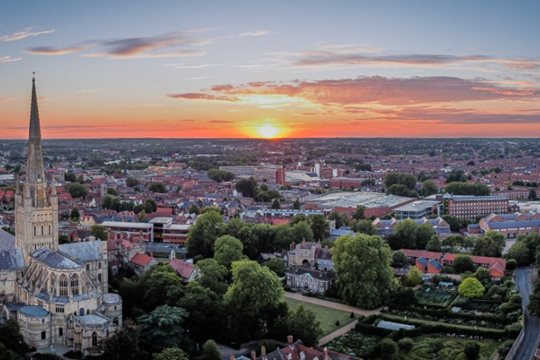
<point>422,253</point>
<point>485,260</point>
<point>182,268</point>
<point>141,259</point>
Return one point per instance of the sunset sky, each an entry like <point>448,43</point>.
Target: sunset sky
<point>271,68</point>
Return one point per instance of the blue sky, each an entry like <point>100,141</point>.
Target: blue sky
<point>113,68</point>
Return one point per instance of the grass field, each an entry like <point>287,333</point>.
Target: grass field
<point>326,316</point>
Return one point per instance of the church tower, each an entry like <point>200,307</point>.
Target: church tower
<point>36,205</point>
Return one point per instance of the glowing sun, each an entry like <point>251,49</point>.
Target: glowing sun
<point>268,131</point>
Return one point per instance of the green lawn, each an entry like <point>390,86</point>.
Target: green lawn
<point>452,348</point>
<point>326,316</point>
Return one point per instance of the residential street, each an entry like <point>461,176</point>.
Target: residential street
<point>532,324</point>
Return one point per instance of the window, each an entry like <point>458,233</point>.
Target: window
<point>59,309</point>
<point>60,331</point>
<point>115,321</point>
<point>81,312</point>
<point>43,335</point>
<point>99,265</point>
<point>94,339</point>
<point>75,284</point>
<point>63,285</point>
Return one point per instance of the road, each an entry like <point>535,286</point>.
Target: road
<point>531,327</point>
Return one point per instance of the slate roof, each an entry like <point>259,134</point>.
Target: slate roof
<point>55,259</point>
<point>83,251</point>
<point>11,259</point>
<point>7,241</point>
<point>33,310</point>
<point>317,274</point>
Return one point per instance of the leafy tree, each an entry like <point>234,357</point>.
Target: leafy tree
<point>63,239</point>
<point>227,249</point>
<point>157,188</point>
<point>112,191</point>
<point>413,277</point>
<point>14,346</point>
<point>472,350</point>
<point>75,215</point>
<point>220,175</point>
<point>162,328</point>
<point>210,351</point>
<point>424,233</point>
<point>404,235</point>
<point>491,244</point>
<point>429,188</point>
<point>434,244</point>
<point>132,182</point>
<point>534,299</point>
<point>364,226</point>
<point>520,253</point>
<point>302,231</point>
<point>359,213</point>
<point>463,188</point>
<point>399,259</point>
<point>388,348</point>
<point>456,176</point>
<point>277,266</point>
<point>208,227</point>
<point>284,236</point>
<point>405,179</point>
<point>298,218</point>
<point>124,343</point>
<point>296,204</point>
<point>212,275</point>
<point>463,263</point>
<point>303,324</point>
<point>319,226</point>
<point>532,195</point>
<point>401,190</point>
<point>77,190</point>
<point>150,206</point>
<point>455,223</point>
<point>471,288</point>
<point>69,176</point>
<point>171,353</point>
<point>364,276</point>
<point>405,296</point>
<point>482,274</point>
<point>276,204</point>
<point>339,218</point>
<point>247,187</point>
<point>99,232</point>
<point>160,285</point>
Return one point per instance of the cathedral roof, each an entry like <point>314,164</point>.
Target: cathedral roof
<point>83,251</point>
<point>55,259</point>
<point>11,259</point>
<point>33,310</point>
<point>7,241</point>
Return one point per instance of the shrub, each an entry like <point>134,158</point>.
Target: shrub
<point>472,350</point>
<point>406,344</point>
<point>388,348</point>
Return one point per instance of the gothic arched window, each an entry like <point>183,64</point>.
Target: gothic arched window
<point>75,284</point>
<point>63,285</point>
<point>94,339</point>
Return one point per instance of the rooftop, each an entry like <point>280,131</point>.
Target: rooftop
<point>55,259</point>
<point>33,310</point>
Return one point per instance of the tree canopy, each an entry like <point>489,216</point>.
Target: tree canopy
<point>471,288</point>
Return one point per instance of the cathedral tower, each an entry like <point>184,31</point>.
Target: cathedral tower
<point>36,206</point>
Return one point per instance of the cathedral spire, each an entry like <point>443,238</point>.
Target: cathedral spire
<point>34,162</point>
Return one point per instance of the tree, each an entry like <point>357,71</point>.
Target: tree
<point>276,204</point>
<point>399,259</point>
<point>227,249</point>
<point>429,188</point>
<point>132,182</point>
<point>99,232</point>
<point>276,265</point>
<point>160,285</point>
<point>404,235</point>
<point>388,348</point>
<point>339,218</point>
<point>210,351</point>
<point>364,276</point>
<point>424,233</point>
<point>296,204</point>
<point>247,187</point>
<point>220,175</point>
<point>69,176</point>
<point>124,343</point>
<point>11,338</point>
<point>150,206</point>
<point>401,190</point>
<point>434,244</point>
<point>534,299</point>
<point>491,244</point>
<point>74,215</point>
<point>455,223</point>
<point>413,277</point>
<point>112,191</point>
<point>208,227</point>
<point>359,213</point>
<point>471,288</point>
<point>472,350</point>
<point>405,179</point>
<point>171,353</point>
<point>456,176</point>
<point>532,195</point>
<point>463,263</point>
<point>463,188</point>
<point>212,275</point>
<point>303,324</point>
<point>520,253</point>
<point>364,226</point>
<point>319,226</point>
<point>77,190</point>
<point>302,231</point>
<point>405,296</point>
<point>284,236</point>
<point>162,328</point>
<point>157,188</point>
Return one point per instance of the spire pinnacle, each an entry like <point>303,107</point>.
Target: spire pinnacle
<point>34,162</point>
<point>34,130</point>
